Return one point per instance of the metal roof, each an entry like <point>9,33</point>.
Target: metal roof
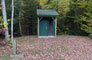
<point>43,12</point>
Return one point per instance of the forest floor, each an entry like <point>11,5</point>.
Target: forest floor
<point>60,48</point>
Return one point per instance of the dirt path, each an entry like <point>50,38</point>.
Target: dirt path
<point>60,48</point>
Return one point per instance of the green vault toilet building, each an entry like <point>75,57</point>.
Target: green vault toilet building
<point>47,23</point>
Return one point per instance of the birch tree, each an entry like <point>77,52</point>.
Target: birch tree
<point>12,17</point>
<point>12,39</point>
<point>5,19</point>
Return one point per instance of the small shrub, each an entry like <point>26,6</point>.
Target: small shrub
<point>61,59</point>
<point>90,35</point>
<point>5,58</point>
<point>10,44</point>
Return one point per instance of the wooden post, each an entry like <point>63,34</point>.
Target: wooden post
<point>38,26</point>
<point>55,26</point>
<point>14,49</point>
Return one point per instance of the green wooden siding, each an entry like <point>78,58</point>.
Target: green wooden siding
<point>53,28</point>
<point>44,28</point>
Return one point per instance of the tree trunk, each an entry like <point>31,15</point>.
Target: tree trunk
<point>12,15</point>
<point>20,18</point>
<point>12,39</point>
<point>5,19</point>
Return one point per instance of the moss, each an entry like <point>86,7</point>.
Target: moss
<point>5,58</point>
<point>34,52</point>
<point>61,59</point>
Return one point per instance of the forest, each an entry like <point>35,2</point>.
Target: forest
<point>64,35</point>
<point>75,16</point>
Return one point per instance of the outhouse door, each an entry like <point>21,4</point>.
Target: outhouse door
<point>44,28</point>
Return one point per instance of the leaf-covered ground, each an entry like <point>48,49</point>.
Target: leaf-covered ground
<point>60,48</point>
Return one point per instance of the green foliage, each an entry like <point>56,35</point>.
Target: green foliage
<point>83,15</point>
<point>5,58</point>
<point>90,35</point>
<point>29,17</point>
<point>75,16</point>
